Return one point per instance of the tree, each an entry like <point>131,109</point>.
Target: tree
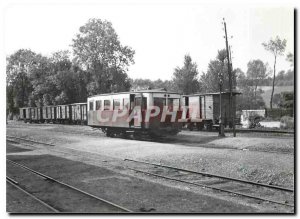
<point>288,100</point>
<point>18,78</point>
<point>185,78</point>
<point>290,58</point>
<point>277,48</point>
<point>246,100</point>
<point>43,81</point>
<point>144,84</point>
<point>257,72</point>
<point>241,79</point>
<point>97,48</point>
<point>209,81</point>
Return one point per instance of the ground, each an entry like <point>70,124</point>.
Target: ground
<point>267,159</point>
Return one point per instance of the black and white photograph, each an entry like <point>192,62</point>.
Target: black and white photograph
<point>149,107</point>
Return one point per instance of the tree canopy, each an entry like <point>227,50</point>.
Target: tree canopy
<point>218,67</point>
<point>277,48</point>
<point>185,79</point>
<point>97,49</point>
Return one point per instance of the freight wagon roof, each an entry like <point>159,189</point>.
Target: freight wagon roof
<point>216,93</point>
<point>76,103</point>
<point>64,104</point>
<point>135,92</point>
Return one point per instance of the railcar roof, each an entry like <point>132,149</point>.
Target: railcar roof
<point>135,92</point>
<point>215,93</point>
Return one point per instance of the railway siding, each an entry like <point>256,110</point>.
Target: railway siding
<point>133,193</point>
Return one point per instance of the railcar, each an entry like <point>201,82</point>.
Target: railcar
<point>203,110</point>
<point>136,112</point>
<point>78,113</point>
<point>35,114</point>
<point>49,114</point>
<point>63,114</point>
<point>24,114</point>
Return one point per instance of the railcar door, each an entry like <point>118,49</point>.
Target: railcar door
<point>138,106</point>
<point>131,123</point>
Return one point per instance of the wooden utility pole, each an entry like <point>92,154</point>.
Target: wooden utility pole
<point>230,82</point>
<point>221,125</point>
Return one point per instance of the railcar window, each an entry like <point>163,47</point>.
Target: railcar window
<point>98,104</point>
<point>160,102</point>
<point>173,104</point>
<point>91,105</point>
<point>106,104</point>
<point>116,104</point>
<point>126,103</point>
<point>139,102</point>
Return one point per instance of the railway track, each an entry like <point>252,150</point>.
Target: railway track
<point>208,180</point>
<point>16,185</point>
<point>206,174</point>
<point>29,140</point>
<point>56,195</point>
<point>243,188</point>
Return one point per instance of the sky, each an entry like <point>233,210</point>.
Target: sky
<point>160,33</point>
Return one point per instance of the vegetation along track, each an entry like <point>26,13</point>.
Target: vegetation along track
<point>244,188</point>
<point>56,195</point>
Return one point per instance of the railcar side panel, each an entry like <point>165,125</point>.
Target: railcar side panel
<point>102,108</point>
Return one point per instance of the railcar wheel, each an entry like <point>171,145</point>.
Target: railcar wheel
<point>110,133</point>
<point>200,126</point>
<point>209,127</point>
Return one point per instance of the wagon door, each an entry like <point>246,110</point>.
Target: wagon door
<point>24,114</point>
<point>83,112</point>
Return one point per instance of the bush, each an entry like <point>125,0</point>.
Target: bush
<point>277,113</point>
<point>287,122</point>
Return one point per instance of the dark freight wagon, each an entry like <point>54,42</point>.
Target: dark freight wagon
<point>63,113</point>
<point>31,114</point>
<point>25,114</point>
<point>204,109</point>
<point>79,113</point>
<point>35,114</point>
<point>49,113</point>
